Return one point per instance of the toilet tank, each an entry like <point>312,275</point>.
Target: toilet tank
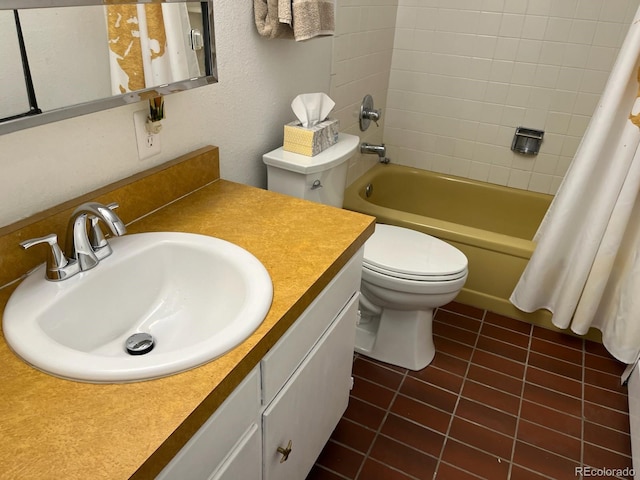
<point>321,178</point>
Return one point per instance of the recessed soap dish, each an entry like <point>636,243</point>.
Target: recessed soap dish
<point>527,141</point>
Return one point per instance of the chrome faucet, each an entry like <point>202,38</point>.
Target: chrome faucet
<point>85,244</point>
<point>379,150</point>
<point>89,249</point>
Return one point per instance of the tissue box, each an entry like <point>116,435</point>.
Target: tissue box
<point>310,141</point>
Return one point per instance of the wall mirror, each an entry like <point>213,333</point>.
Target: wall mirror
<point>65,58</point>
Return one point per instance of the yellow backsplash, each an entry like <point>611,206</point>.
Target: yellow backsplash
<point>137,195</point>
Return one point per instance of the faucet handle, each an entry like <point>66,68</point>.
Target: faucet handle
<point>56,260</point>
<point>373,115</point>
<point>96,236</point>
<point>98,243</point>
<point>368,113</point>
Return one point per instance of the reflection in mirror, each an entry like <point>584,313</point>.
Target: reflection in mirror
<point>149,45</point>
<point>68,65</point>
<point>14,100</point>
<point>85,58</point>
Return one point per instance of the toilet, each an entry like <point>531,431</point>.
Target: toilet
<point>406,274</point>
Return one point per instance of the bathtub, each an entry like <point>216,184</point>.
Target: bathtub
<point>493,225</point>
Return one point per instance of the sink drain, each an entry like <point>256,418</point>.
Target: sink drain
<point>139,344</point>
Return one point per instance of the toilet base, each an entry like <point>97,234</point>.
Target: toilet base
<point>398,337</point>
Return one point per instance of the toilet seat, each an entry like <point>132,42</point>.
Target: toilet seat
<point>415,278</point>
<point>411,255</point>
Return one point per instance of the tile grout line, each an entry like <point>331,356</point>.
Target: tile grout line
<point>515,433</point>
<point>459,396</point>
<point>525,442</point>
<point>582,404</point>
<point>581,365</point>
<point>465,380</point>
<point>333,472</point>
<point>379,429</point>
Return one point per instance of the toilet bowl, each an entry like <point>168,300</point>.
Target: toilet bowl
<point>405,274</point>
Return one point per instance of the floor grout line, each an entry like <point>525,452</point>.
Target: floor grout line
<point>451,374</point>
<point>455,407</point>
<point>583,367</point>
<point>514,437</point>
<point>582,405</point>
<point>524,383</point>
<point>384,418</point>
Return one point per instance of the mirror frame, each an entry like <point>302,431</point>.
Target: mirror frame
<point>115,100</point>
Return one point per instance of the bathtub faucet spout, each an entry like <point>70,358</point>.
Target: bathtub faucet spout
<point>379,150</point>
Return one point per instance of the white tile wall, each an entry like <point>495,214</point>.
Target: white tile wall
<point>466,73</point>
<point>363,48</point>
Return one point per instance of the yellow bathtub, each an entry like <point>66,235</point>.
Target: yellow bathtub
<point>493,225</point>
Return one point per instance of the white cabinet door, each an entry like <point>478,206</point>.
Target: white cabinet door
<point>245,460</point>
<point>286,355</point>
<point>211,445</point>
<point>311,403</point>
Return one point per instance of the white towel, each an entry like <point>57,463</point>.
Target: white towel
<point>271,20</point>
<point>312,18</point>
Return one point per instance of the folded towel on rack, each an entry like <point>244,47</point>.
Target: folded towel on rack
<point>312,18</point>
<point>299,19</point>
<point>285,14</point>
<point>273,18</point>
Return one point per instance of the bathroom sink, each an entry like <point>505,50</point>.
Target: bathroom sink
<point>197,296</point>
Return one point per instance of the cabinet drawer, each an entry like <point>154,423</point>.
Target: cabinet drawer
<point>282,360</point>
<point>206,450</point>
<point>308,408</point>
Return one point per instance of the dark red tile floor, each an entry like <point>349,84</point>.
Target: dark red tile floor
<point>501,400</point>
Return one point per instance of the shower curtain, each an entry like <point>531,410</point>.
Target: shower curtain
<point>586,265</point>
<point>149,46</point>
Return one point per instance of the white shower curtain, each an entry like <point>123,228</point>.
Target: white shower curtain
<point>586,265</point>
<point>149,46</point>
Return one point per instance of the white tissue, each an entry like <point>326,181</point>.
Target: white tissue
<point>312,108</point>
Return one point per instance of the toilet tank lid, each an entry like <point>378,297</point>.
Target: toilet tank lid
<point>331,157</point>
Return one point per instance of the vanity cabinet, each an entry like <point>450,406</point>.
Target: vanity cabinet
<point>275,423</point>
<point>299,421</point>
<point>228,442</point>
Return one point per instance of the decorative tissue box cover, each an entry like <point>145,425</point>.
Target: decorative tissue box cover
<point>310,141</point>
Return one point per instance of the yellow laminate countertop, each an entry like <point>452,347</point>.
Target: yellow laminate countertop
<point>58,429</point>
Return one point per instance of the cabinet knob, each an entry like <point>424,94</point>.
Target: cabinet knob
<point>285,452</point>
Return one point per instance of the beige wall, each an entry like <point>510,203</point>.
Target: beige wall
<point>466,73</point>
<point>462,77</point>
<point>243,114</point>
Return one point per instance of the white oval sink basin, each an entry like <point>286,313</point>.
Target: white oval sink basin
<point>197,296</point>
